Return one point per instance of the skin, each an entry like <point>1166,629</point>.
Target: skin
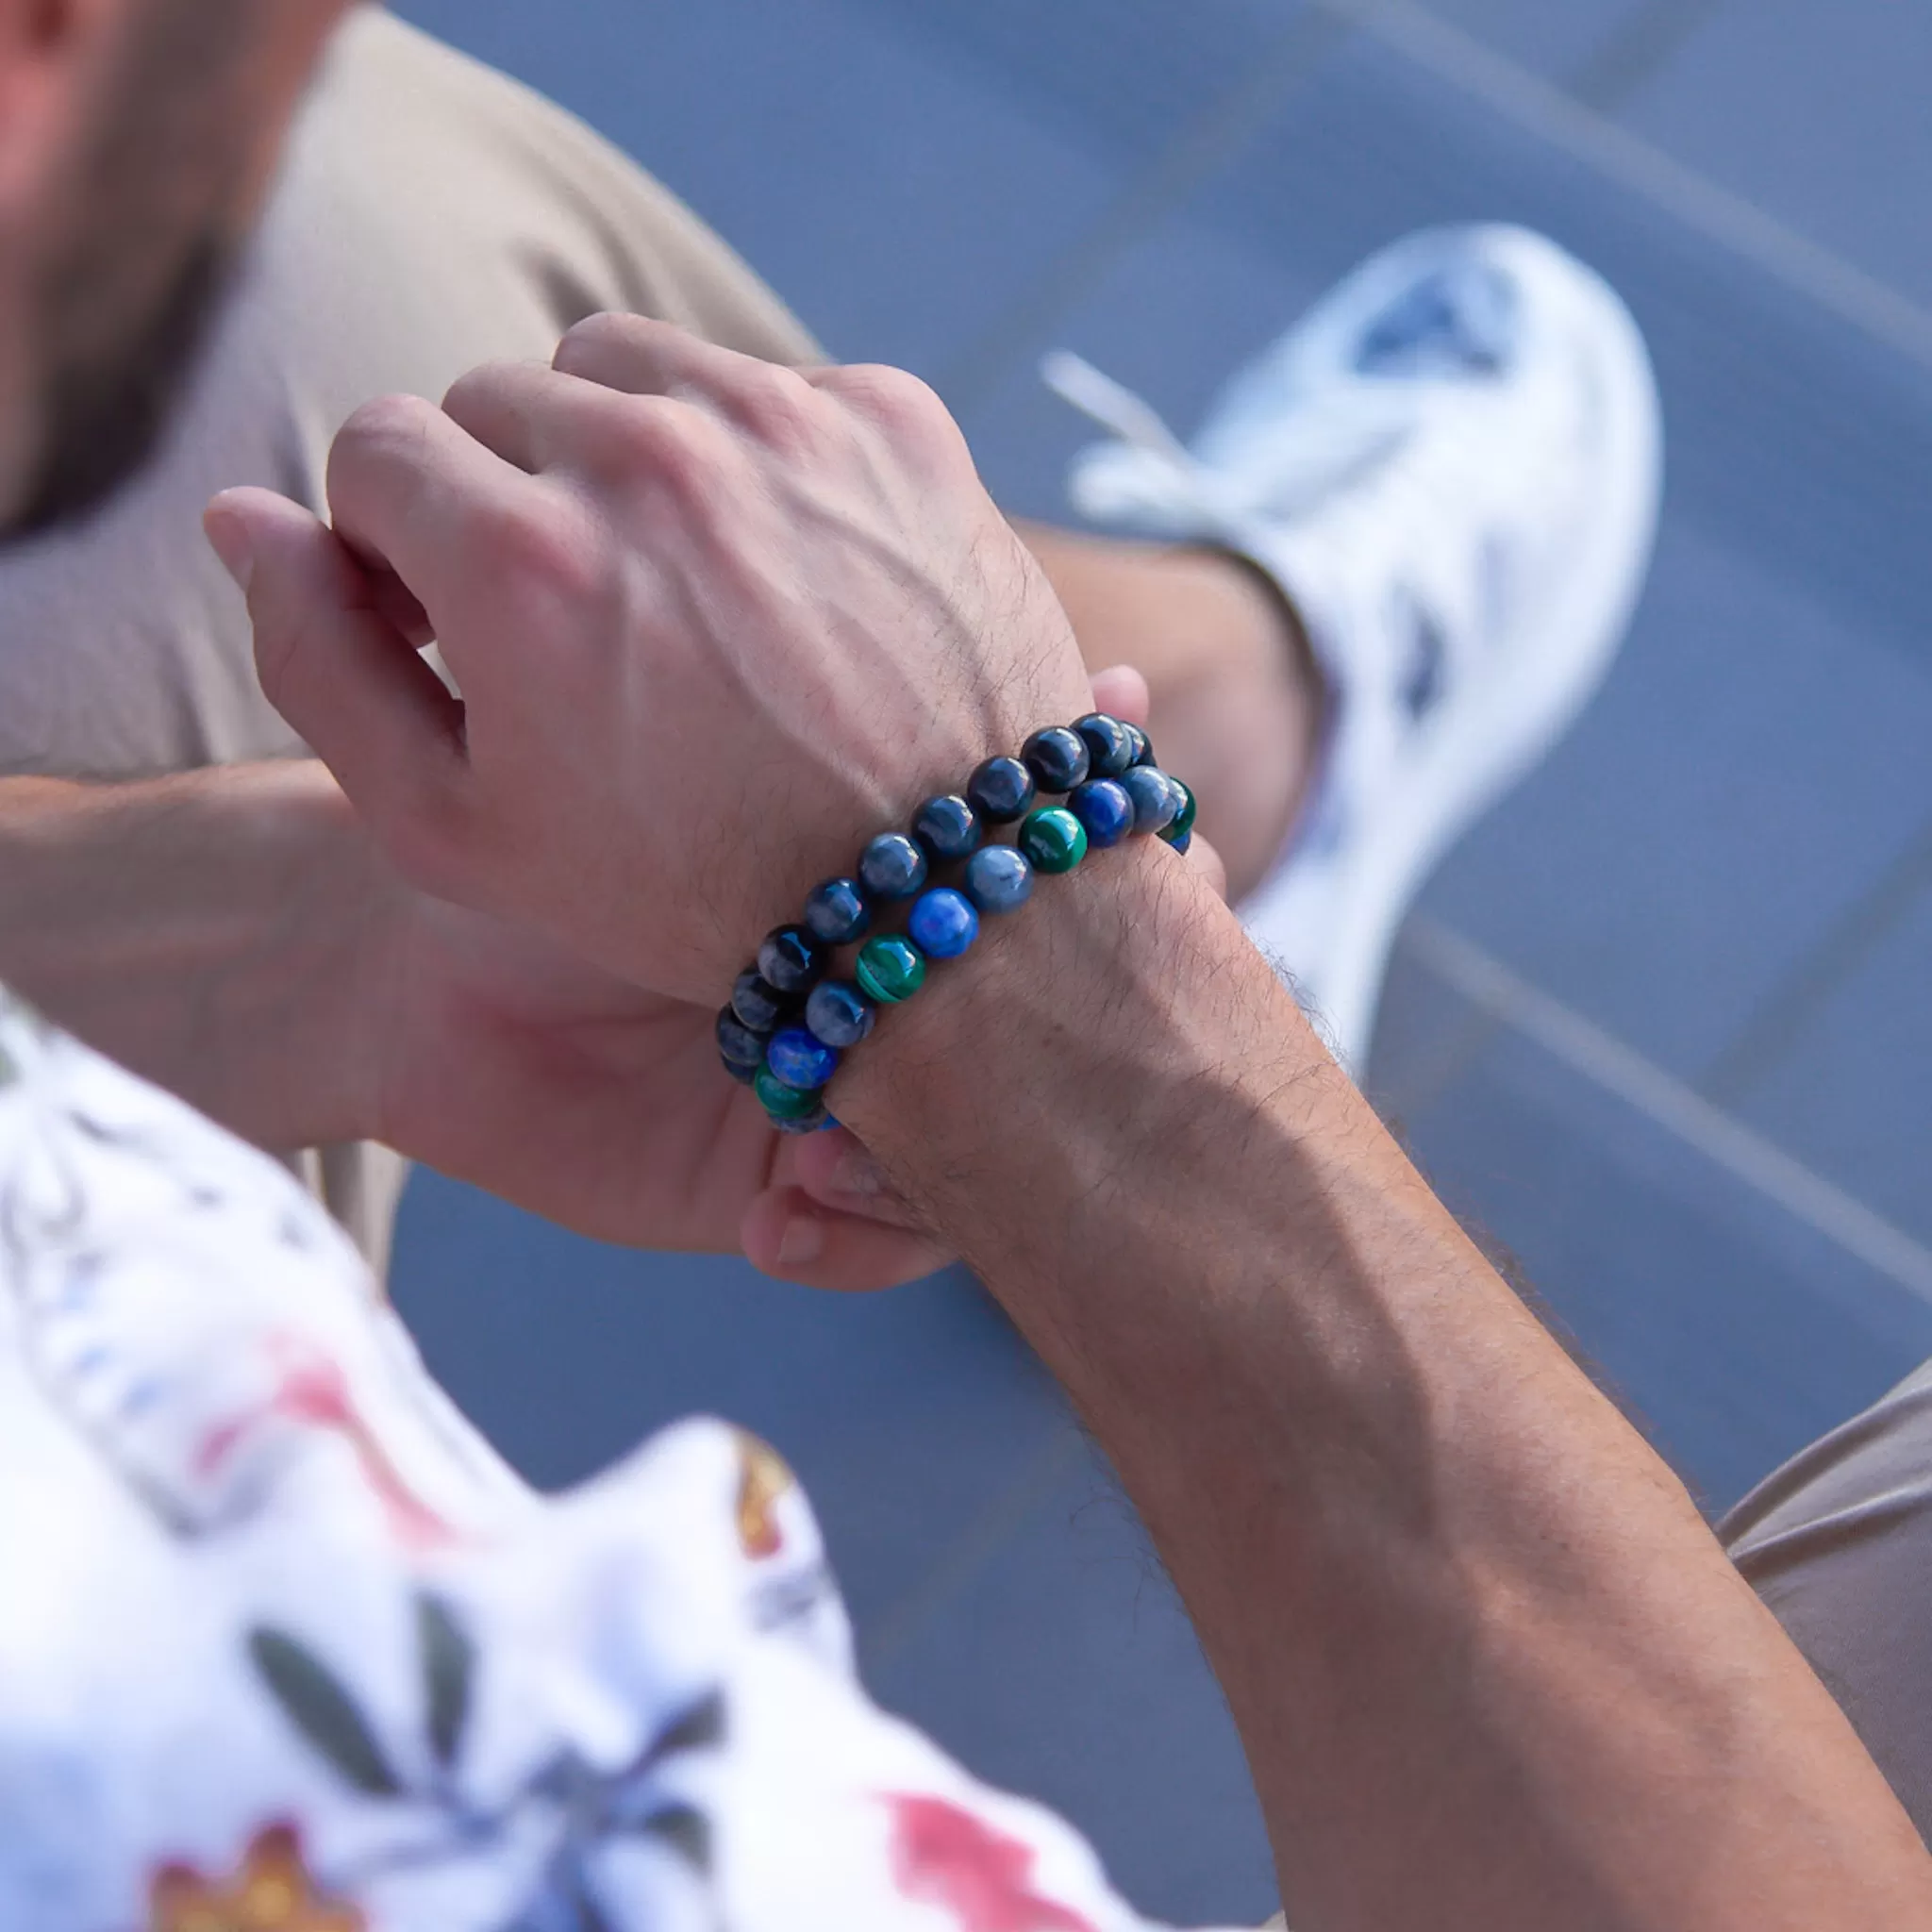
<point>1489,1666</point>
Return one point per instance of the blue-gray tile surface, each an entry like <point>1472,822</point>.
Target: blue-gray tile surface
<point>1710,916</point>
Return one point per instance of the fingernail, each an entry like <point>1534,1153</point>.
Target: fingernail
<point>858,1174</point>
<point>803,1242</point>
<point>228,535</point>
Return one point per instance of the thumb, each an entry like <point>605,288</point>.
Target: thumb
<point>334,665</point>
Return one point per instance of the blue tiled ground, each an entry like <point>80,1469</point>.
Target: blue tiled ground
<point>1726,873</point>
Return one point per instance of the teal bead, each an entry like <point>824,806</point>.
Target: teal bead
<point>1176,832</point>
<point>1052,839</point>
<point>781,1102</point>
<point>889,968</point>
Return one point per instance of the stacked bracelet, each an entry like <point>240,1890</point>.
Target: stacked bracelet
<point>788,1023</point>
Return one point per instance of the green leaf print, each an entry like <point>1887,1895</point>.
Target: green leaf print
<point>318,1706</point>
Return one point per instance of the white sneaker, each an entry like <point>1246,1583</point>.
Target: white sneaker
<point>1451,467</point>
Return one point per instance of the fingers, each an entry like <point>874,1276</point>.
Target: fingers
<point>788,1234</point>
<point>1121,692</point>
<point>639,357</point>
<point>344,676</point>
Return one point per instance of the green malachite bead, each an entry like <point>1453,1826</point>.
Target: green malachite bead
<point>1183,820</point>
<point>781,1102</point>
<point>1052,839</point>
<point>889,970</point>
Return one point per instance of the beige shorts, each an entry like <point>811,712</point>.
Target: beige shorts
<point>433,215</point>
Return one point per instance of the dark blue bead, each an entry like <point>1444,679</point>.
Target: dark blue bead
<point>1057,757</point>
<point>948,827</point>
<point>743,1076</point>
<point>1102,807</point>
<point>999,879</point>
<point>838,1013</point>
<point>740,1046</point>
<point>812,1122</point>
<point>1183,842</point>
<point>1002,791</point>
<point>943,924</point>
<point>791,961</point>
<point>760,1006</point>
<point>1155,802</point>
<point>1109,747</point>
<point>1144,752</point>
<point>799,1060</point>
<point>836,913</point>
<point>892,867</point>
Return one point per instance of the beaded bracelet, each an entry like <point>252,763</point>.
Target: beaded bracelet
<point>788,1023</point>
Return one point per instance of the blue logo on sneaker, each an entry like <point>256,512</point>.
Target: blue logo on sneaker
<point>1457,321</point>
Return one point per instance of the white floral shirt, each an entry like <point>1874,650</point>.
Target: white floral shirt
<point>285,1648</point>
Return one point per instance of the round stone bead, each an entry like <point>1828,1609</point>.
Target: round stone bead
<point>781,1102</point>
<point>948,829</point>
<point>838,1013</point>
<point>942,924</point>
<point>1156,801</point>
<point>812,1122</point>
<point>892,867</point>
<point>1056,757</point>
<point>1144,752</point>
<point>1109,750</point>
<point>1052,839</point>
<point>1001,791</point>
<point>836,913</point>
<point>998,879</point>
<point>741,1050</point>
<point>1182,824</point>
<point>1104,808</point>
<point>759,1004</point>
<point>889,970</point>
<point>800,1058</point>
<point>1182,844</point>
<point>791,961</point>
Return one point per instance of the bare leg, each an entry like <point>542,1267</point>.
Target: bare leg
<point>1237,701</point>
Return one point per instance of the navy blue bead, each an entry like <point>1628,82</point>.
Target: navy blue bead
<point>836,913</point>
<point>999,879</point>
<point>892,867</point>
<point>943,924</point>
<point>760,1006</point>
<point>1002,791</point>
<point>838,1013</point>
<point>1156,801</point>
<point>1181,843</point>
<point>799,1060</point>
<point>1144,752</point>
<point>1057,757</point>
<point>1109,747</point>
<point>948,829</point>
<point>812,1122</point>
<point>791,961</point>
<point>1102,807</point>
<point>740,1046</point>
<point>743,1076</point>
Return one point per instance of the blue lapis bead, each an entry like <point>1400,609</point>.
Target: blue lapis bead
<point>892,867</point>
<point>998,879</point>
<point>1001,791</point>
<point>1102,807</point>
<point>759,1004</point>
<point>815,1121</point>
<point>838,1013</point>
<point>948,829</point>
<point>1155,802</point>
<point>1182,840</point>
<point>1057,757</point>
<point>836,912</point>
<point>800,1059</point>
<point>942,924</point>
<point>1110,747</point>
<point>791,961</point>
<point>1144,752</point>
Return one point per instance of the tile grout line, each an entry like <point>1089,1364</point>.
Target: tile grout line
<point>1600,1058</point>
<point>1543,109</point>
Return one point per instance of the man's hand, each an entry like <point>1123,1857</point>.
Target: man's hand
<point>713,622</point>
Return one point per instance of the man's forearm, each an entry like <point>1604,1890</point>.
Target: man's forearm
<point>205,931</point>
<point>1491,1670</point>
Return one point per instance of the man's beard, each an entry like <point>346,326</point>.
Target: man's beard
<point>104,414</point>
<point>141,255</point>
